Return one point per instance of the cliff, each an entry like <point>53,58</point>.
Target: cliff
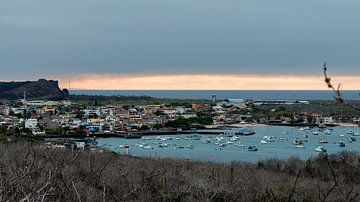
<point>41,89</point>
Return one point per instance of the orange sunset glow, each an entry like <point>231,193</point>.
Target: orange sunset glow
<point>205,82</point>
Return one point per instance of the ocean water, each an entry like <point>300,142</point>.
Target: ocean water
<point>281,149</point>
<point>223,94</point>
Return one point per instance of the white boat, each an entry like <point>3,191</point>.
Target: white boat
<point>263,142</point>
<point>162,145</point>
<point>350,132</point>
<point>327,132</point>
<point>148,147</point>
<point>241,145</point>
<point>320,149</point>
<point>304,128</point>
<point>315,133</point>
<point>342,144</point>
<point>323,141</point>
<point>268,138</point>
<point>206,141</point>
<point>300,146</point>
<point>190,146</point>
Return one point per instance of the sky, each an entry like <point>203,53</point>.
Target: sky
<point>187,44</point>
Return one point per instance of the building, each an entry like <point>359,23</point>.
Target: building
<point>31,123</point>
<point>151,109</point>
<point>5,110</point>
<point>213,98</point>
<point>327,120</point>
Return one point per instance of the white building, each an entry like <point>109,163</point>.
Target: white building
<point>327,120</point>
<point>31,123</point>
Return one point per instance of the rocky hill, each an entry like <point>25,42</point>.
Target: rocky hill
<point>41,89</point>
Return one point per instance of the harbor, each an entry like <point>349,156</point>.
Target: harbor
<point>270,141</point>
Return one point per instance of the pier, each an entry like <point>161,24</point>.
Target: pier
<point>134,135</point>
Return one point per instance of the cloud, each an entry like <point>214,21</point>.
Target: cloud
<point>204,82</point>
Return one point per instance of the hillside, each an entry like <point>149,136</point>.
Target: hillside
<point>31,172</point>
<point>41,89</point>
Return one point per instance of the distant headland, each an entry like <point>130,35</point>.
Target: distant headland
<point>41,89</point>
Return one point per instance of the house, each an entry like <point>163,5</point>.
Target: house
<point>169,111</point>
<point>151,109</point>
<point>327,120</point>
<point>31,123</point>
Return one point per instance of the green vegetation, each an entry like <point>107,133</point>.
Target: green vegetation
<point>181,122</point>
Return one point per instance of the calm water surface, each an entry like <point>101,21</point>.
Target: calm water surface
<point>281,148</point>
<point>223,94</point>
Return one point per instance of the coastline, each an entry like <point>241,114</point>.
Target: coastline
<point>239,125</point>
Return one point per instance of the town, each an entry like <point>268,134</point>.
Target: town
<point>61,118</point>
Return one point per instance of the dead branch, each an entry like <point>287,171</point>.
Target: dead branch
<point>337,91</point>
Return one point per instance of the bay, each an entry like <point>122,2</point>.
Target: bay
<point>281,148</point>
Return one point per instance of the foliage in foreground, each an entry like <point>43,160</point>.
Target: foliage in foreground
<point>31,172</point>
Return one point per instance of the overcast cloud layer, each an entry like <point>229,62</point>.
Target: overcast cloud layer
<point>40,38</point>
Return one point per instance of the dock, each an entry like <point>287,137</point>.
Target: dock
<point>135,135</point>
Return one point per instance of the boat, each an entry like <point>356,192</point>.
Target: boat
<point>323,141</point>
<point>263,142</point>
<point>315,133</point>
<point>320,149</point>
<point>327,132</point>
<point>148,147</point>
<point>350,132</point>
<point>162,145</point>
<point>298,142</point>
<point>241,145</point>
<point>322,126</point>
<point>240,131</point>
<point>222,145</point>
<point>342,144</point>
<point>208,141</point>
<point>268,138</point>
<point>304,128</point>
<point>352,139</point>
<point>143,145</point>
<point>252,148</point>
<point>132,136</point>
<point>356,134</point>
<point>190,146</point>
<point>300,146</point>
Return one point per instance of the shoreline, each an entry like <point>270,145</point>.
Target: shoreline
<point>239,125</point>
